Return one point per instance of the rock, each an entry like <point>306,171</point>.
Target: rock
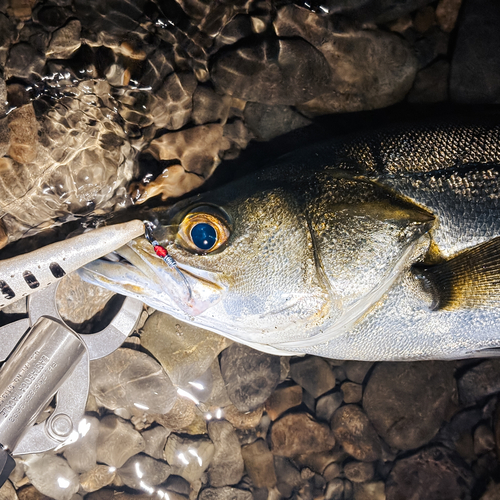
<point>359,472</point>
<point>355,433</point>
<point>335,490</point>
<point>209,106</point>
<point>318,462</point>
<point>179,417</point>
<point>287,476</point>
<point>369,491</point>
<point>457,434</point>
<point>240,420</point>
<point>356,370</point>
<point>352,392</point>
<point>479,382</point>
<point>492,493</point>
<point>155,440</point>
<point>313,374</point>
<point>24,62</point>
<point>142,466</point>
<point>225,493</point>
<point>82,455</point>
<point>431,83</point>
<point>447,13</point>
<point>65,41</point>
<point>226,467</point>
<point>30,493</point>
<point>327,404</point>
<point>282,399</point>
<point>484,440</point>
<point>52,476</point>
<point>409,412</point>
<point>433,473</point>
<point>7,491</point>
<point>117,441</point>
<point>274,71</point>
<point>331,472</point>
<point>132,380</point>
<point>250,376</point>
<point>189,457</point>
<point>185,351</point>
<point>259,464</point>
<point>177,484</point>
<point>299,433</point>
<point>98,477</point>
<point>475,46</point>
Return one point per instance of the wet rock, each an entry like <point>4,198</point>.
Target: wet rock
<point>259,464</point>
<point>154,441</point>
<point>407,414</point>
<point>369,491</point>
<point>23,137</point>
<point>30,493</point>
<point>287,476</point>
<point>82,455</point>
<point>318,462</point>
<point>185,351</point>
<point>243,420</point>
<point>331,472</point>
<point>479,382</point>
<point>225,493</point>
<point>476,43</point>
<point>313,374</point>
<point>492,493</point>
<point>484,440</point>
<point>431,83</point>
<point>209,106</point>
<point>188,457</point>
<point>7,491</point>
<point>177,484</point>
<point>282,399</point>
<point>132,380</point>
<point>65,41</point>
<point>52,476</point>
<point>98,477</point>
<point>24,61</point>
<point>179,417</point>
<point>153,471</point>
<point>250,376</point>
<point>359,472</point>
<point>272,72</point>
<point>447,14</point>
<point>356,370</point>
<point>457,434</point>
<point>335,490</point>
<point>237,136</point>
<point>298,433</point>
<point>355,433</point>
<point>352,392</point>
<point>328,404</point>
<point>117,441</point>
<point>434,473</point>
<point>226,467</point>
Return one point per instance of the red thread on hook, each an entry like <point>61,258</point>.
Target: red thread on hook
<point>160,251</point>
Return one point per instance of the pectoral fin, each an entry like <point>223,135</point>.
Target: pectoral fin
<point>469,280</point>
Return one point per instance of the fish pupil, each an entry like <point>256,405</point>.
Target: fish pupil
<point>204,236</point>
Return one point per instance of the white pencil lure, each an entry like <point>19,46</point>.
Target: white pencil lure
<point>22,275</point>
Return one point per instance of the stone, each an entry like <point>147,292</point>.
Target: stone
<point>185,351</point>
<point>7,491</point>
<point>299,433</point>
<point>474,54</point>
<point>447,14</point>
<point>179,417</point>
<point>431,84</point>
<point>24,61</point>
<point>328,404</point>
<point>484,439</point>
<point>250,376</point>
<point>30,493</point>
<point>408,402</point>
<point>335,490</point>
<point>492,493</point>
<point>282,399</point>
<point>433,473</point>
<point>188,457</point>
<point>65,41</point>
<point>177,484</point>
<point>356,370</point>
<point>209,106</point>
<point>332,471</point>
<point>132,380</point>
<point>226,467</point>
<point>155,440</point>
<point>225,493</point>
<point>240,420</point>
<point>287,476</point>
<point>52,476</point>
<point>353,393</point>
<point>117,441</point>
<point>457,434</point>
<point>359,472</point>
<point>318,462</point>
<point>82,454</point>
<point>98,477</point>
<point>313,374</point>
<point>369,491</point>
<point>143,466</point>
<point>259,464</point>
<point>479,382</point>
<point>354,431</point>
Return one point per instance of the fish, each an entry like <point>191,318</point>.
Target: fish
<point>383,246</point>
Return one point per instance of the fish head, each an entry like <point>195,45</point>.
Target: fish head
<point>269,259</point>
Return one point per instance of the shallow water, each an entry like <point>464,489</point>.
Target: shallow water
<point>110,104</point>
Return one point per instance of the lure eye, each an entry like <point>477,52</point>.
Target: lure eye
<point>202,232</point>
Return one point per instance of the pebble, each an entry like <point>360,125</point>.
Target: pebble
<point>327,404</point>
<point>131,380</point>
<point>484,440</point>
<point>82,455</point>
<point>353,393</point>
<point>155,440</point>
<point>354,431</point>
<point>65,40</point>
<point>226,467</point>
<point>177,484</point>
<point>240,420</point>
<point>225,493</point>
<point>313,374</point>
<point>299,433</point>
<point>30,493</point>
<point>142,466</point>
<point>24,62</point>
<point>335,490</point>
<point>408,414</point>
<point>259,464</point>
<point>433,473</point>
<point>282,399</point>
<point>431,84</point>
<point>117,441</point>
<point>250,376</point>
<point>318,462</point>
<point>98,477</point>
<point>447,13</point>
<point>332,471</point>
<point>359,472</point>
<point>369,491</point>
<point>209,106</point>
<point>287,476</point>
<point>356,370</point>
<point>479,382</point>
<point>7,491</point>
<point>179,417</point>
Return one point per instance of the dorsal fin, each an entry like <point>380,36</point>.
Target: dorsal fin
<point>471,279</point>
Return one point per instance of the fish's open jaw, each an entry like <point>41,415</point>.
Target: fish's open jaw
<point>146,276</point>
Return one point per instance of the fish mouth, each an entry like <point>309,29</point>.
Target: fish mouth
<point>138,272</point>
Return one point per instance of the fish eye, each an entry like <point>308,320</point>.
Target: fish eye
<point>202,232</point>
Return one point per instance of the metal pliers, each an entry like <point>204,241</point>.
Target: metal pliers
<point>44,357</point>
